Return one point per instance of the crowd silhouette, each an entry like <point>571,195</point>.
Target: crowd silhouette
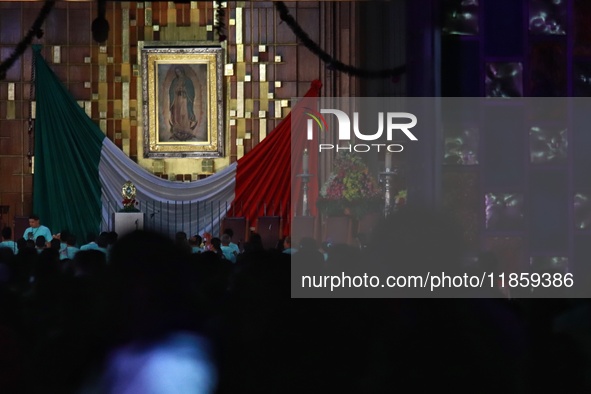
<point>153,317</point>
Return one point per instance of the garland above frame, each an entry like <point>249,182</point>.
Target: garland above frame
<point>330,61</point>
<point>21,47</point>
<point>220,24</point>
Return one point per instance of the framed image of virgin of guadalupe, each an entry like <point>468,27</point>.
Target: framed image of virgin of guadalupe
<point>182,101</point>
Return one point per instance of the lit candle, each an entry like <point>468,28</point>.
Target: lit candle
<point>305,162</point>
<point>388,161</point>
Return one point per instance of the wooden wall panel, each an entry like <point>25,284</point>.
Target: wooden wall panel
<point>11,140</point>
<point>10,21</point>
<point>78,22</point>
<point>55,33</point>
<point>68,26</point>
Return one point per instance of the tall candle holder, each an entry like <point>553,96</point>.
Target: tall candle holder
<point>305,175</point>
<point>386,177</point>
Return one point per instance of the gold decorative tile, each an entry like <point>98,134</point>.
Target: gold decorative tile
<point>171,16</point>
<point>57,54</point>
<point>125,72</point>
<point>103,90</point>
<point>117,109</point>
<point>88,108</point>
<point>239,25</point>
<point>194,14</point>
<point>240,71</point>
<point>262,129</point>
<point>239,53</point>
<point>11,89</point>
<point>262,72</point>
<point>241,128</point>
<point>11,110</point>
<point>125,35</point>
<point>249,105</point>
<point>102,73</point>
<point>125,99</point>
<point>229,69</point>
<point>148,33</point>
<point>125,126</point>
<point>240,99</point>
<point>125,145</point>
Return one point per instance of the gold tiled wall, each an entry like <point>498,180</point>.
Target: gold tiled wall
<point>264,68</point>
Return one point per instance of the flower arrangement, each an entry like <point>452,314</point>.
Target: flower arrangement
<point>350,189</point>
<point>129,205</point>
<point>128,192</point>
<point>400,199</point>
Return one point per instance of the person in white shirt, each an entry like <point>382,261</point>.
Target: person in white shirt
<point>232,245</point>
<point>100,244</point>
<point>36,230</point>
<point>7,241</point>
<point>69,252</point>
<point>229,253</point>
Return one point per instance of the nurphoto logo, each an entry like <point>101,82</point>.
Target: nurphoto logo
<point>391,120</point>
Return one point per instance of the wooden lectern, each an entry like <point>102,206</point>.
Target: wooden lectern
<point>269,228</point>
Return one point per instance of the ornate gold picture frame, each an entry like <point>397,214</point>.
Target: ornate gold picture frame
<point>183,101</point>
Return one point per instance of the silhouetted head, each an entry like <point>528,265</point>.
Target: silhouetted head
<point>150,286</point>
<point>40,241</point>
<point>6,233</point>
<point>229,231</point>
<point>225,239</point>
<point>417,240</point>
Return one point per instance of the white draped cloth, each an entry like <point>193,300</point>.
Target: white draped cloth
<point>193,207</point>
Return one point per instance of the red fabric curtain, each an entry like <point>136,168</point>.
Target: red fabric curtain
<point>263,176</point>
